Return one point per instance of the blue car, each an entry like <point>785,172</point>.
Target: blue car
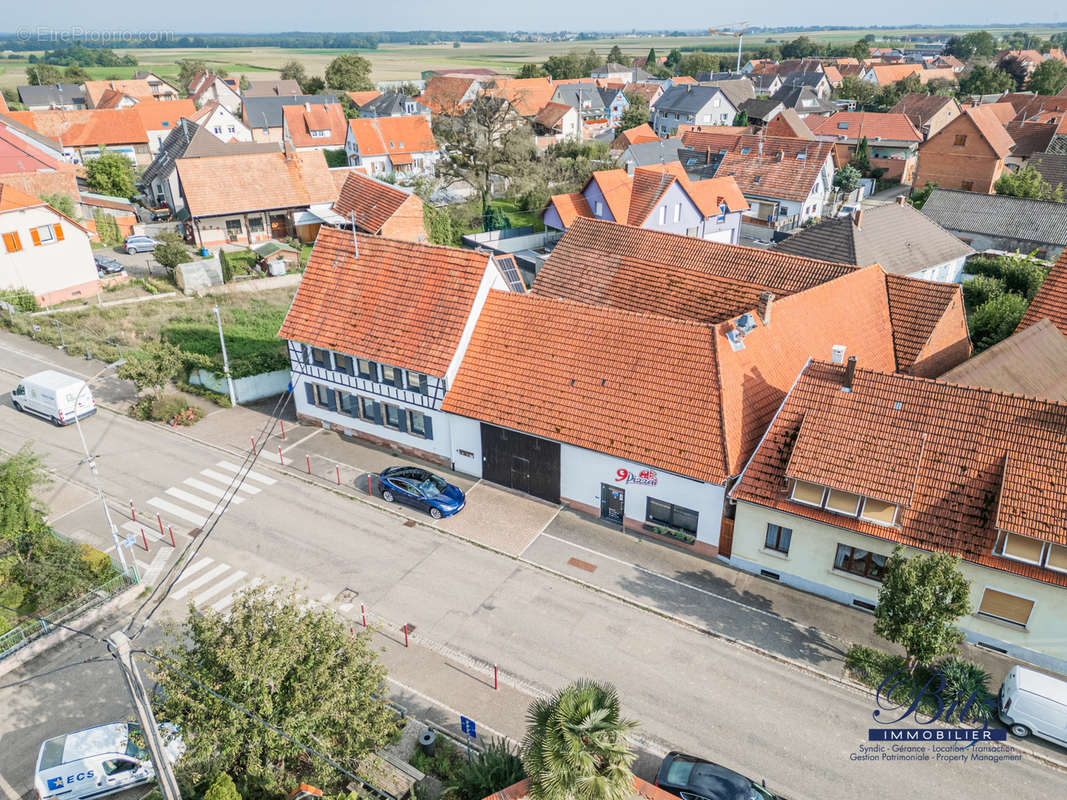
<point>422,489</point>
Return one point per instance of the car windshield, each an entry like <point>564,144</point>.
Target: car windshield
<point>135,743</point>
<point>432,486</point>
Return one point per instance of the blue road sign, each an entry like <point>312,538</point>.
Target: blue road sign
<point>468,727</point>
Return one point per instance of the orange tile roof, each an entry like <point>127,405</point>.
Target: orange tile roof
<point>44,182</point>
<point>526,95</point>
<point>398,303</point>
<point>159,114</point>
<point>684,79</point>
<point>915,308</point>
<point>789,123</point>
<point>649,91</point>
<point>984,462</point>
<point>709,193</point>
<point>12,198</point>
<point>648,186</point>
<point>216,185</point>
<point>86,127</point>
<point>443,94</point>
<point>381,136</point>
<point>938,73</point>
<point>991,128</point>
<point>891,73</point>
<point>892,127</point>
<point>398,159</point>
<point>95,90</point>
<point>551,114</point>
<point>371,202</point>
<point>301,120</point>
<point>570,206</point>
<point>3,104</point>
<point>1050,302</point>
<point>616,187</point>
<point>359,98</point>
<point>642,133</point>
<point>833,74</point>
<point>1004,112</point>
<point>596,379</point>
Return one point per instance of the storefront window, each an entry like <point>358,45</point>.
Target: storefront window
<point>668,515</point>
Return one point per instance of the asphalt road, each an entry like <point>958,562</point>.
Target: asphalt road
<point>690,692</point>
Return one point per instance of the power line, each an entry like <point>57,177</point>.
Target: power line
<point>92,660</point>
<point>50,622</point>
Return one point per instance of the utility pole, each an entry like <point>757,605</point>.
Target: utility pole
<point>168,786</point>
<point>225,358</point>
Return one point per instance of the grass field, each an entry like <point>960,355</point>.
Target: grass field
<point>394,62</point>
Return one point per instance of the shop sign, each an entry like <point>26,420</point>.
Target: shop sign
<point>646,477</point>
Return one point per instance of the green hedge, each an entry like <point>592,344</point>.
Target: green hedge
<point>252,341</point>
<point>239,262</point>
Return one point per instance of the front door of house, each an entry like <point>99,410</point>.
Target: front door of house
<point>279,226</point>
<point>520,473</point>
<point>612,503</point>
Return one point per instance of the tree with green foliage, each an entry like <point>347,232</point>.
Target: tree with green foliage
<point>861,159</point>
<point>153,366</point>
<point>111,173</point>
<point>63,203</point>
<point>293,70</point>
<point>171,250</point>
<point>977,44</point>
<point>1014,67</point>
<point>674,58</point>
<point>496,767</point>
<point>920,196</point>
<point>995,320</point>
<point>188,69</point>
<point>919,602</point>
<point>692,64</point>
<point>564,67</point>
<point>349,107</point>
<point>890,95</point>
<point>847,179</point>
<point>531,70</point>
<point>802,47</point>
<point>1028,182</point>
<point>590,61</point>
<point>635,114</point>
<point>985,80</point>
<point>284,661</point>
<point>43,74</point>
<point>438,225</point>
<point>1049,77</point>
<point>861,49</point>
<point>651,58</point>
<point>494,219</point>
<point>75,74</point>
<point>243,83</point>
<point>222,788</point>
<point>615,55</point>
<point>980,289</point>
<point>1022,275</point>
<point>770,52</point>
<point>107,228</point>
<point>863,92</point>
<point>741,118</point>
<point>313,85</point>
<point>349,73</point>
<point>576,747</point>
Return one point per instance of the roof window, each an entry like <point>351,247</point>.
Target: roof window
<point>842,126</point>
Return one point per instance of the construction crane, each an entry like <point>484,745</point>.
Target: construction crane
<point>741,28</point>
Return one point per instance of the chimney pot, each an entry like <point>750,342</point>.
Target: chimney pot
<point>766,299</point>
<point>307,107</point>
<point>850,373</point>
<point>858,217</point>
<point>901,199</point>
<point>837,354</point>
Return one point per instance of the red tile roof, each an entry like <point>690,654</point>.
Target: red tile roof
<point>551,114</point>
<point>301,120</point>
<point>1051,299</point>
<point>642,133</point>
<point>160,114</point>
<point>652,182</point>
<point>86,127</point>
<point>888,127</point>
<point>95,90</point>
<point>215,185</point>
<point>570,206</point>
<point>886,74</point>
<point>596,379</point>
<point>915,308</point>
<point>381,136</point>
<point>991,129</point>
<point>986,460</point>
<point>526,95</point>
<point>371,202</point>
<point>398,303</point>
<point>13,198</point>
<point>360,98</point>
<point>444,94</point>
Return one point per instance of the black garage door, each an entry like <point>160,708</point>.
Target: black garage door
<point>521,462</point>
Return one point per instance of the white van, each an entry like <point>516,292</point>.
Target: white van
<point>1034,703</point>
<point>52,395</point>
<point>99,761</point>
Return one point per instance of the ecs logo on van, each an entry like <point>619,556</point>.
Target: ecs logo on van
<point>58,783</point>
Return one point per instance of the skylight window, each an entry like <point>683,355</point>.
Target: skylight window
<point>842,126</point>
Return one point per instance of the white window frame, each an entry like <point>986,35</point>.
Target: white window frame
<point>795,499</point>
<point>826,502</point>
<point>863,510</point>
<point>1004,552</point>
<point>663,215</point>
<point>1048,552</point>
<point>42,232</point>
<point>677,212</point>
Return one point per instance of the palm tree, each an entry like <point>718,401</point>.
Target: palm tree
<point>575,746</point>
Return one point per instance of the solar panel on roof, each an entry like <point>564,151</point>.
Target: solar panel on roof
<point>510,268</point>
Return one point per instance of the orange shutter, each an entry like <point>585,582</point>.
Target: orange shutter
<point>35,236</point>
<point>11,242</point>
<point>59,232</point>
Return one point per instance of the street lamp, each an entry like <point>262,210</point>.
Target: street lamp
<point>96,477</point>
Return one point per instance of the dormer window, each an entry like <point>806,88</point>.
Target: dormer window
<point>320,134</point>
<point>843,502</point>
<point>808,493</point>
<point>878,511</point>
<point>1021,548</point>
<point>842,126</point>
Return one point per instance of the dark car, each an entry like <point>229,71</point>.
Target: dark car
<point>422,489</point>
<point>693,778</point>
<point>106,265</point>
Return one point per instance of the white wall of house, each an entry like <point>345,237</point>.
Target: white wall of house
<point>54,270</point>
<point>948,272</point>
<point>225,125</point>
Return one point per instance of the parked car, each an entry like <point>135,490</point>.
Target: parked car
<point>106,265</point>
<point>422,489</point>
<point>693,778</point>
<point>139,244</point>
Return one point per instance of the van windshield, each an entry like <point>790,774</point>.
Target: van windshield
<point>135,743</point>
<point>52,752</point>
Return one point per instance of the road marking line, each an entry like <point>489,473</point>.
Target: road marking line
<point>8,789</point>
<point>178,511</point>
<point>195,567</point>
<point>210,575</point>
<point>301,441</point>
<point>222,585</point>
<point>228,479</point>
<point>345,607</point>
<point>228,599</point>
<point>540,532</point>
<point>212,489</point>
<point>256,476</point>
<point>156,567</point>
<point>135,528</point>
<point>192,499</point>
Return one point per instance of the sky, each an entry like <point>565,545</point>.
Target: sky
<point>256,16</point>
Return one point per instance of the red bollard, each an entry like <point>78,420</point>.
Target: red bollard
<point>405,635</point>
<point>159,519</point>
<point>283,428</point>
<point>171,536</point>
<point>363,613</point>
<point>133,511</point>
<point>253,438</point>
<point>370,491</point>
<point>338,475</point>
<point>309,463</point>
<point>145,540</point>
<point>496,683</point>
<point>280,459</point>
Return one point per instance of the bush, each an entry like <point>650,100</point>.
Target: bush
<point>996,319</point>
<point>491,770</point>
<point>107,229</point>
<point>171,250</point>
<point>1023,276</point>
<point>22,301</point>
<point>170,408</point>
<point>239,262</point>
<point>979,290</point>
<point>336,158</point>
<point>222,400</point>
<point>446,763</point>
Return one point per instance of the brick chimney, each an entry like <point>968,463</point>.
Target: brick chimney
<point>901,199</point>
<point>766,299</point>
<point>290,152</point>
<point>850,373</point>
<point>858,218</point>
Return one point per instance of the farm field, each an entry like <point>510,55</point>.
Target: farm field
<point>395,62</point>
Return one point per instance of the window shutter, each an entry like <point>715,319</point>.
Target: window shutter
<point>424,385</point>
<point>402,422</point>
<point>59,232</point>
<point>310,388</point>
<point>331,399</point>
<point>376,413</point>
<point>307,353</point>
<point>428,424</point>
<point>35,236</point>
<point>9,243</point>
